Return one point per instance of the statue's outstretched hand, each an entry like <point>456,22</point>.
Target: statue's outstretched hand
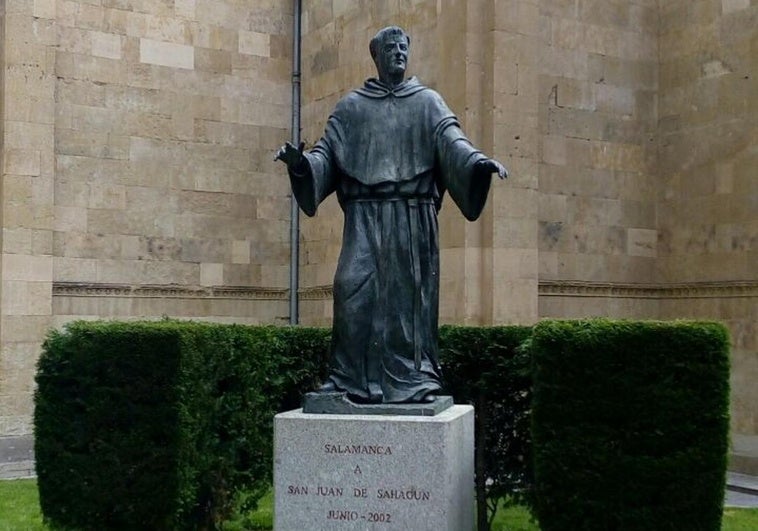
<point>292,156</point>
<point>493,166</point>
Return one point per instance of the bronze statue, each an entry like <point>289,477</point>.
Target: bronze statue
<point>391,150</point>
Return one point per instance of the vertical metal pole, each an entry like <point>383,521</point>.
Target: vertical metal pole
<point>294,211</point>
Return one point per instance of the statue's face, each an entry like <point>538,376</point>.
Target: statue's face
<point>392,57</point>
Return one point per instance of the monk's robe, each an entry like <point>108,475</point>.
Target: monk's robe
<point>390,154</point>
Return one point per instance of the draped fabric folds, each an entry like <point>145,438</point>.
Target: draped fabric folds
<point>390,154</point>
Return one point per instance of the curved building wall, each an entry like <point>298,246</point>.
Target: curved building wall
<point>138,180</point>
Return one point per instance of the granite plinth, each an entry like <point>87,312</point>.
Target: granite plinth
<point>338,403</point>
<point>389,472</point>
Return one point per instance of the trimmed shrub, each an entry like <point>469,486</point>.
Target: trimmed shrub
<point>169,425</point>
<point>630,424</point>
<point>154,425</point>
<point>486,367</point>
<point>304,357</point>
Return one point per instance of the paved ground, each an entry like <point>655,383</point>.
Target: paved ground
<point>741,490</point>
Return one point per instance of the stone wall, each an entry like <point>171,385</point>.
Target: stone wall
<point>138,180</point>
<point>26,198</point>
<point>708,209</point>
<point>137,171</point>
<point>626,125</point>
<point>489,268</point>
<point>336,59</point>
<point>167,118</point>
<point>597,218</point>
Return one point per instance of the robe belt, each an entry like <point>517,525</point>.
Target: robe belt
<point>414,223</point>
<point>420,200</point>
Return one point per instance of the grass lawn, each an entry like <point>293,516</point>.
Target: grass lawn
<point>19,511</point>
<point>19,506</point>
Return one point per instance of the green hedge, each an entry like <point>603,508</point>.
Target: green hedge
<point>168,425</point>
<point>486,367</point>
<point>630,424</point>
<point>161,425</point>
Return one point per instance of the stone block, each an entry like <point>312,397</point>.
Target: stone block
<point>604,12</point>
<point>342,7</point>
<point>576,123</point>
<point>642,242</point>
<point>547,267</point>
<point>24,329</point>
<point>556,236</point>
<point>515,233</point>
<point>75,40</point>
<point>215,61</point>
<point>17,240</point>
<point>552,208</point>
<point>560,8</point>
<point>730,6</point>
<point>74,270</point>
<point>185,8</point>
<point>27,267</point>
<point>22,162</point>
<point>615,100</point>
<point>254,43</point>
<point>107,195</point>
<point>165,29</point>
<point>516,16</point>
<point>90,16</point>
<point>31,90</point>
<point>275,276</point>
<point>614,156</point>
<point>167,54</point>
<point>515,301</point>
<point>554,149</point>
<point>28,136</point>
<point>567,63</point>
<point>391,472</point>
<point>211,274</point>
<point>74,91</point>
<point>577,94</point>
<point>241,252</point>
<point>106,45</point>
<point>518,263</point>
<point>44,9</point>
<point>512,202</point>
<point>91,68</point>
<point>241,274</point>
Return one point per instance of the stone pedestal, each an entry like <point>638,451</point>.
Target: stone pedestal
<point>335,472</point>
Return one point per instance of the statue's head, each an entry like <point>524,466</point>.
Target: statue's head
<point>389,50</point>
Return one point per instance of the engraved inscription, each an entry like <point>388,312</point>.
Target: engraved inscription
<point>360,509</point>
<point>410,494</point>
<point>331,492</point>
<point>357,449</point>
<point>352,516</point>
<point>349,516</point>
<point>403,494</point>
<point>320,490</point>
<point>383,518</point>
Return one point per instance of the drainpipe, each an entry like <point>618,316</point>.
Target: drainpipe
<point>294,211</point>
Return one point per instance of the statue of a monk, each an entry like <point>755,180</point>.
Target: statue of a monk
<point>391,150</point>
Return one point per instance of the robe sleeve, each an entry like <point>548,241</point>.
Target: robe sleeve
<point>457,159</point>
<point>316,178</point>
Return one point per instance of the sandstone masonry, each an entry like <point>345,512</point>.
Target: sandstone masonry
<point>138,181</point>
